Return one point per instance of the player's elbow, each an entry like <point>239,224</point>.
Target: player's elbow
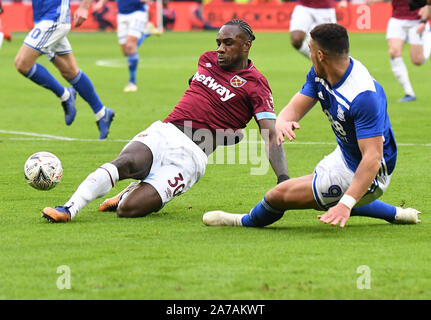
<point>373,161</point>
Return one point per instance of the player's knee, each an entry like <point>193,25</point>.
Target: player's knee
<point>130,48</point>
<point>130,210</point>
<point>126,212</point>
<point>127,167</point>
<point>296,40</point>
<point>394,53</point>
<point>21,66</point>
<point>418,61</point>
<point>274,196</point>
<point>69,74</point>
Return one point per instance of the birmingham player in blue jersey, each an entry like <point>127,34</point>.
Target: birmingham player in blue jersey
<point>48,36</point>
<point>349,180</point>
<point>132,29</point>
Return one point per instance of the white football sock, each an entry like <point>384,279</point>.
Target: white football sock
<point>101,113</point>
<point>305,50</point>
<point>400,71</point>
<point>427,42</point>
<point>96,185</point>
<point>65,96</point>
<point>1,38</point>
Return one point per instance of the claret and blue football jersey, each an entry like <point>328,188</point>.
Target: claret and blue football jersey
<point>357,108</point>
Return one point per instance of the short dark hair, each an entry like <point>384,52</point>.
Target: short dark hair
<point>244,27</point>
<point>331,37</point>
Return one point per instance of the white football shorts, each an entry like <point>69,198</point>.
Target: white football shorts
<point>332,178</point>
<point>133,24</point>
<point>305,18</point>
<point>49,38</point>
<point>404,30</point>
<point>178,163</point>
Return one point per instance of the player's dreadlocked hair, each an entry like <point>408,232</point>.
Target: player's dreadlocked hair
<point>244,26</point>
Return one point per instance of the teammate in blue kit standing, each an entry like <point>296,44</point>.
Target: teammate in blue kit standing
<point>48,36</point>
<point>350,179</point>
<point>133,27</point>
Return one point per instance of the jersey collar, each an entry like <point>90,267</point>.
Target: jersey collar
<point>345,75</point>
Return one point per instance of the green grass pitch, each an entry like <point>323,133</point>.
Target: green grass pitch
<point>171,254</point>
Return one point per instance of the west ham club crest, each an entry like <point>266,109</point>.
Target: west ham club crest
<point>237,81</point>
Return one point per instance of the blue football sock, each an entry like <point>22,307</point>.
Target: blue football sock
<point>132,61</point>
<point>376,209</point>
<point>262,215</point>
<point>40,75</point>
<point>84,87</point>
<point>142,38</point>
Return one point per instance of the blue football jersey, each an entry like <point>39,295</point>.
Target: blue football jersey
<point>356,108</point>
<point>55,10</point>
<point>129,6</point>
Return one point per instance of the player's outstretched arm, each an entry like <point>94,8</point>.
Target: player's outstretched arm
<point>287,120</point>
<point>372,153</point>
<point>81,14</point>
<point>275,152</point>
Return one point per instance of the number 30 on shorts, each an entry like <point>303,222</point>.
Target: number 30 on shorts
<point>175,184</point>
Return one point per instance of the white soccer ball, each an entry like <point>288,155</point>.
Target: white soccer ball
<point>43,170</point>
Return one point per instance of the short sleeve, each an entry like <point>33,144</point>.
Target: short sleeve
<point>368,115</point>
<point>309,87</point>
<point>262,101</point>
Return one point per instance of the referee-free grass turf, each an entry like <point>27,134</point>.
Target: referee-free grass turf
<point>171,254</point>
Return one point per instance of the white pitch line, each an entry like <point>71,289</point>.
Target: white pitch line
<point>39,136</point>
<point>45,137</point>
<point>36,135</point>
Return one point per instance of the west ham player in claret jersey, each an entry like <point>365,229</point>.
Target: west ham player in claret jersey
<point>169,157</point>
<point>305,16</point>
<point>407,26</point>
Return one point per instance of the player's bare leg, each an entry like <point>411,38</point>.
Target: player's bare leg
<point>68,67</point>
<point>133,162</point>
<point>297,39</point>
<point>25,63</point>
<point>25,59</point>
<point>111,204</point>
<point>294,193</point>
<point>139,202</point>
<point>399,68</point>
<point>417,54</point>
<point>130,50</point>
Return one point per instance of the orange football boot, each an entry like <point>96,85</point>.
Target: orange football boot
<point>111,204</point>
<point>57,214</point>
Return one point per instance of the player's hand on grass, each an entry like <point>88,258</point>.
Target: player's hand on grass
<point>285,129</point>
<point>80,15</point>
<point>338,214</point>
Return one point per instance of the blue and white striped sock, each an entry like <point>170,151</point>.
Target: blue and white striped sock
<point>41,76</point>
<point>85,88</point>
<point>376,209</point>
<point>261,215</point>
<point>132,62</point>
